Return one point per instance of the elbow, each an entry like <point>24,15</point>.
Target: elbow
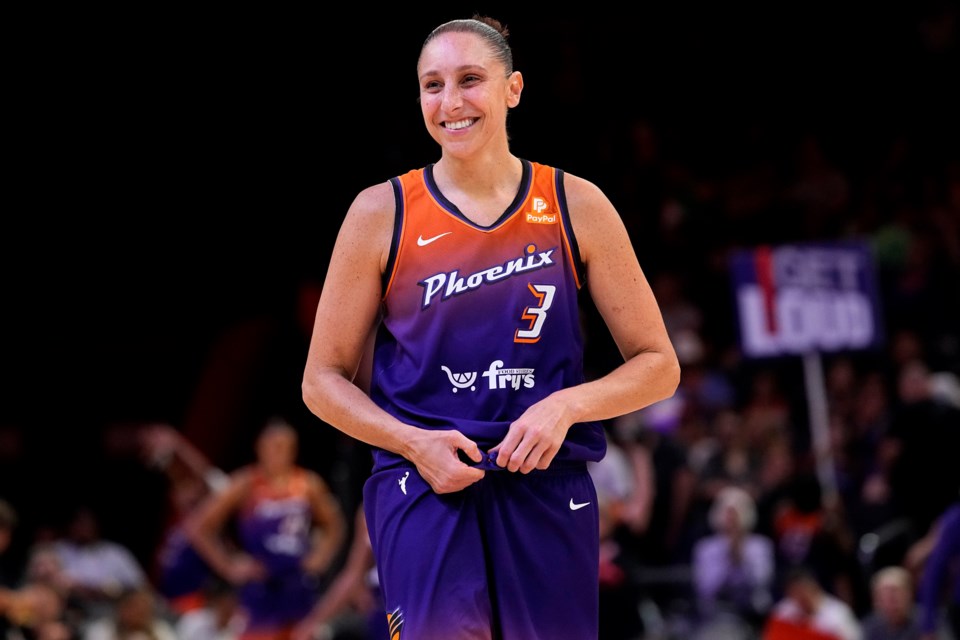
<point>309,393</point>
<point>319,390</point>
<point>306,388</point>
<point>669,375</point>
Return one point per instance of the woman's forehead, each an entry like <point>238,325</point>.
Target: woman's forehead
<point>455,49</point>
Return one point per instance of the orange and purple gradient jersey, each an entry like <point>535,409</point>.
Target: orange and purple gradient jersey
<point>275,522</point>
<point>480,322</point>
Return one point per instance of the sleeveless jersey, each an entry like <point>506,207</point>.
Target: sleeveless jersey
<point>480,322</point>
<point>274,523</point>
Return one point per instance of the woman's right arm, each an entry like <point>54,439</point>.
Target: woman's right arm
<point>347,314</point>
<point>204,528</point>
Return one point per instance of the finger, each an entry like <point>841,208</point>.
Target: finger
<point>546,458</point>
<point>519,455</point>
<point>545,461</point>
<point>506,448</point>
<point>464,479</point>
<point>470,448</point>
<point>532,461</point>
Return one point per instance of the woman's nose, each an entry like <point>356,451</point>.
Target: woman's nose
<point>452,98</point>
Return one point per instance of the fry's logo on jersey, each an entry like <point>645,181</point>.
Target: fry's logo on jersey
<point>500,378</point>
<point>540,215</point>
<point>497,378</point>
<point>452,283</point>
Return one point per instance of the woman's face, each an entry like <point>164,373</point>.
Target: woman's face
<point>277,449</point>
<point>465,93</point>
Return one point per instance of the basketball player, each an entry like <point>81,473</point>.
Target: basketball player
<point>289,528</point>
<point>481,512</point>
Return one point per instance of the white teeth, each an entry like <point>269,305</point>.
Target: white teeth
<point>460,124</point>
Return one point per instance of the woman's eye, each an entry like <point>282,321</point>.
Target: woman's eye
<point>470,79</point>
<point>431,86</point>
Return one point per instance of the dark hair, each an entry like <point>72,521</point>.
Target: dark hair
<point>800,574</point>
<point>489,29</point>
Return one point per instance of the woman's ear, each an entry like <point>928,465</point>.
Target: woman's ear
<point>514,89</point>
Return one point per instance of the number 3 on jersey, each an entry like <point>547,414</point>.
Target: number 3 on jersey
<point>536,315</point>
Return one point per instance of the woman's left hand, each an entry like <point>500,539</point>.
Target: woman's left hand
<point>535,437</point>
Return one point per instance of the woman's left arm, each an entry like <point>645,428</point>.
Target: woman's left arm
<point>623,296</point>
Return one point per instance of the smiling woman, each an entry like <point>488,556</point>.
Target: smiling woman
<point>466,274</point>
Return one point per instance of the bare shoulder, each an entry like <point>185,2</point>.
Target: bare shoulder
<point>581,191</point>
<point>374,199</point>
<point>373,207</point>
<point>237,487</point>
<point>367,228</point>
<point>595,220</point>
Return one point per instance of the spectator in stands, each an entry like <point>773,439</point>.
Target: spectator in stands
<point>813,533</point>
<point>808,612</point>
<point>733,568</point>
<point>924,439</point>
<point>33,612</point>
<point>218,618</point>
<point>893,615</point>
<point>136,617</point>
<point>660,533</point>
<point>97,570</point>
<point>624,497</point>
<point>733,462</point>
<point>44,567</point>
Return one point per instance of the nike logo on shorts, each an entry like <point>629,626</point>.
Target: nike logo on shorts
<point>577,505</point>
<point>422,242</point>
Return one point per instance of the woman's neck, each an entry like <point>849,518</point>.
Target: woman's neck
<point>479,176</point>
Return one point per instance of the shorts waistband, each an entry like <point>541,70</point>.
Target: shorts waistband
<point>489,463</point>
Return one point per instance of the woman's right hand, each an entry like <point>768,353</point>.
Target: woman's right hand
<point>435,454</point>
<point>243,569</point>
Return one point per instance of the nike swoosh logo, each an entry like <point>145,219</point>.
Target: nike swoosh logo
<point>422,242</point>
<point>575,505</point>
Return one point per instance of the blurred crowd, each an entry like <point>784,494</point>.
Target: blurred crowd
<point>715,519</point>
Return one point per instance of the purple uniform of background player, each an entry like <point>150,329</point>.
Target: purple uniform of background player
<point>275,530</point>
<point>181,570</point>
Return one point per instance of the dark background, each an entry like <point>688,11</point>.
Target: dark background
<point>176,176</point>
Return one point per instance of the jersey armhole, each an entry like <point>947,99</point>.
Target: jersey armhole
<point>573,250</point>
<point>387,276</point>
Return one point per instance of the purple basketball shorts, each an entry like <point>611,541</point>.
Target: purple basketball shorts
<point>512,557</point>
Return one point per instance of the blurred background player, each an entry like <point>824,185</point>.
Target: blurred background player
<point>182,576</point>
<point>288,529</point>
